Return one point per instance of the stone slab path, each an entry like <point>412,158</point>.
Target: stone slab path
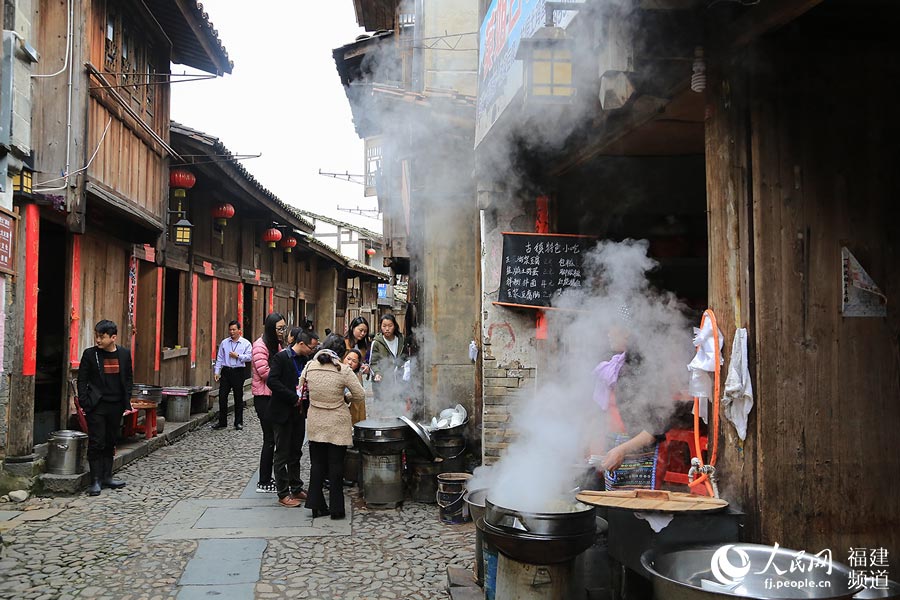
<point>191,525</point>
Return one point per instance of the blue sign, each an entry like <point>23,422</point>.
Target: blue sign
<point>382,290</point>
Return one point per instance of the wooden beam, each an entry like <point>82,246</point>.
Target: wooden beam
<point>761,19</point>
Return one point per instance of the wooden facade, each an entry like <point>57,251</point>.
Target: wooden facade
<point>798,155</point>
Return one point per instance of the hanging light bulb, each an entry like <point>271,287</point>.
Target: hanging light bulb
<point>698,79</point>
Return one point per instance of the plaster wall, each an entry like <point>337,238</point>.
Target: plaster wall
<point>450,62</point>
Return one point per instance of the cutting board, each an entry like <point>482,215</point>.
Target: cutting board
<point>653,500</point>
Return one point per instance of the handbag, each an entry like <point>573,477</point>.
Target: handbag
<point>76,413</point>
<point>303,394</point>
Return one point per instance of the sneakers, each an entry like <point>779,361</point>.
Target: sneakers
<point>266,488</point>
<point>289,502</point>
<point>238,427</point>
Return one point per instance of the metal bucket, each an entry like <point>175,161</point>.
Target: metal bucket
<point>382,479</point>
<point>178,408</point>
<point>422,478</point>
<point>451,449</point>
<point>66,452</point>
<point>352,465</point>
<point>451,487</point>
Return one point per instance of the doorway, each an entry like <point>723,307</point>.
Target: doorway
<point>50,391</point>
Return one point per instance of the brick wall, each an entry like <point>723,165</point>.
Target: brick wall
<point>505,383</point>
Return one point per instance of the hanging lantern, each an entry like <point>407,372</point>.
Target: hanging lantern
<point>222,213</point>
<point>183,232</point>
<point>288,243</point>
<point>370,251</point>
<point>547,57</point>
<point>271,236</point>
<point>181,179</point>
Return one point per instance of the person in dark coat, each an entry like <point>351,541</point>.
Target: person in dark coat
<point>288,422</point>
<point>105,383</point>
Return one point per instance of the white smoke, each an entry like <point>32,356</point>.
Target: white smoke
<point>558,425</point>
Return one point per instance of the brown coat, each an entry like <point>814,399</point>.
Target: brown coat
<point>328,418</point>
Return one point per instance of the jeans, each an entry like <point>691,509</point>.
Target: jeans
<point>267,454</point>
<point>326,459</point>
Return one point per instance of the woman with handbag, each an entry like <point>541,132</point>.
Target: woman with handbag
<point>328,424</point>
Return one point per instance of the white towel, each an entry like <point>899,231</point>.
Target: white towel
<point>738,396</point>
<point>704,364</point>
<point>657,521</point>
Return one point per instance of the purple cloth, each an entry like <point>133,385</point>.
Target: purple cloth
<point>606,374</point>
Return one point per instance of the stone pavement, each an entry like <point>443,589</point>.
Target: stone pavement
<point>187,526</point>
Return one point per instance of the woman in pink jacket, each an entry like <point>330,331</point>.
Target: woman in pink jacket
<point>264,348</point>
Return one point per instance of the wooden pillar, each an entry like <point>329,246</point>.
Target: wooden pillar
<point>20,441</point>
<point>271,301</point>
<point>75,300</point>
<point>240,305</point>
<point>215,314</point>
<point>159,294</point>
<point>195,282</point>
<point>542,225</point>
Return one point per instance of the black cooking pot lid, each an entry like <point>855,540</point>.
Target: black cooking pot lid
<point>423,437</point>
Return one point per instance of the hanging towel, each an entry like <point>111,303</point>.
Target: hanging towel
<point>738,396</point>
<point>704,364</point>
<point>606,374</point>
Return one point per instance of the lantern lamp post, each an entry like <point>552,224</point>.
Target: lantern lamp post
<point>181,180</point>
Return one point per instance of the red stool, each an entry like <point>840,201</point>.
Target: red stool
<point>673,459</point>
<point>149,426</point>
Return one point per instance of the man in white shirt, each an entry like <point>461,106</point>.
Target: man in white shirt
<point>231,370</point>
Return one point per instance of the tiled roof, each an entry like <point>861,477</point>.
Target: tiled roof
<point>219,150</point>
<point>195,41</point>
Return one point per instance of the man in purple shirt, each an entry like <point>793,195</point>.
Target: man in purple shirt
<point>232,369</point>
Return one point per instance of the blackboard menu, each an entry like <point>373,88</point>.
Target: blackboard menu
<point>537,265</point>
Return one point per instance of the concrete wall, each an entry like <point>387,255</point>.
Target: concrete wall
<point>445,68</point>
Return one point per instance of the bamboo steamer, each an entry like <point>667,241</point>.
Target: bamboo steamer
<point>653,501</point>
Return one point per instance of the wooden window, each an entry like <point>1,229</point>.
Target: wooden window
<point>373,151</point>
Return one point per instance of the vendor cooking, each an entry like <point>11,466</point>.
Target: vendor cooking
<point>631,461</point>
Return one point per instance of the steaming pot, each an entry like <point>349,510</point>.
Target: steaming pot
<point>540,538</point>
<point>381,436</point>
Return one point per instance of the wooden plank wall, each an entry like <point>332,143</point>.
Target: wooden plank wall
<point>104,273</point>
<point>203,372</point>
<point>145,325</point>
<point>823,177</point>
<point>730,286</point>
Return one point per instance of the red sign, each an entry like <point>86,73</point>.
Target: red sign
<point>7,242</point>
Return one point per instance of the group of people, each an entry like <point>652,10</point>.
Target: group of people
<point>306,389</point>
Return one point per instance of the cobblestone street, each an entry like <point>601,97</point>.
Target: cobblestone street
<point>110,546</point>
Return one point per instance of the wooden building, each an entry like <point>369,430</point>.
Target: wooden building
<point>760,190</point>
<point>101,153</point>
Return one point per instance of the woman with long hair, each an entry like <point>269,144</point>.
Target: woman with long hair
<point>388,355</point>
<point>264,348</point>
<point>328,426</point>
<point>358,337</point>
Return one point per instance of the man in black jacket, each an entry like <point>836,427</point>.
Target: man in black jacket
<point>105,383</point>
<point>288,423</point>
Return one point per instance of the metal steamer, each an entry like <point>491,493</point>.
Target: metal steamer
<point>381,443</point>
<point>540,538</point>
<point>537,550</point>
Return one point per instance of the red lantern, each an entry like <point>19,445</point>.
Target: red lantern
<point>222,213</point>
<point>288,243</point>
<point>370,251</point>
<point>181,179</point>
<point>271,236</point>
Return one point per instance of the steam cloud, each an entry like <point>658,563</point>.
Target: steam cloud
<point>558,425</point>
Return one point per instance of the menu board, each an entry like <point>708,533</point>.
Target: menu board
<point>537,265</point>
<point>7,242</point>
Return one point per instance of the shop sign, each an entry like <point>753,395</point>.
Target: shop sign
<point>7,242</point>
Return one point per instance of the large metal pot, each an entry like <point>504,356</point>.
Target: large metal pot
<point>66,452</point>
<point>687,574</point>
<point>381,436</point>
<point>540,538</point>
